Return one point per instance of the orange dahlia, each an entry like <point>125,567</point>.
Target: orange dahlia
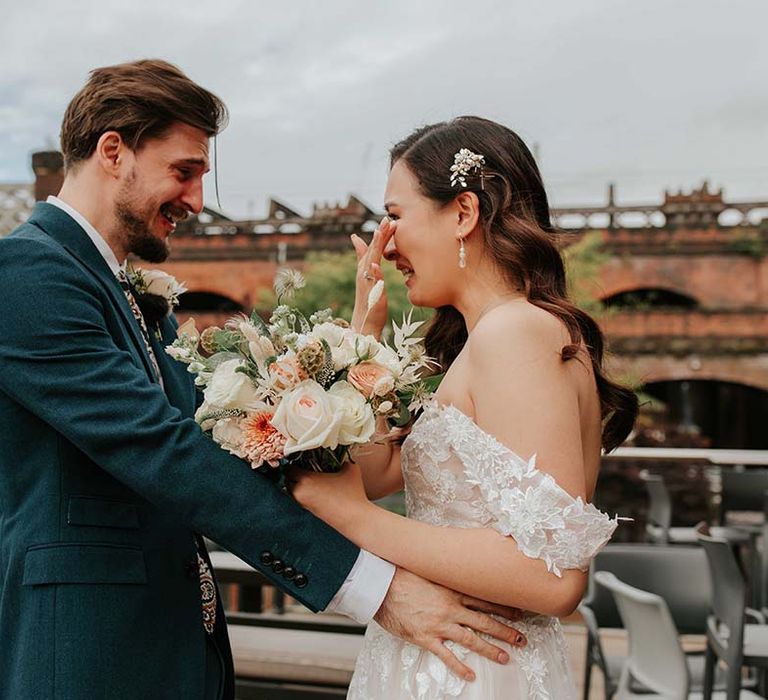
<point>263,443</point>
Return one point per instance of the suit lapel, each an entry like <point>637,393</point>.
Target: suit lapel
<point>179,385</point>
<point>67,232</point>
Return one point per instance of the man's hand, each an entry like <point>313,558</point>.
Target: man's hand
<point>427,614</point>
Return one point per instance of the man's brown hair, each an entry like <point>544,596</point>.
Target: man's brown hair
<point>140,100</point>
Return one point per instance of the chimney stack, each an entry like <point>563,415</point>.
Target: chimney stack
<point>48,167</point>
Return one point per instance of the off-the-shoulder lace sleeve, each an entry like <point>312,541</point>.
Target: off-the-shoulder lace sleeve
<point>528,504</point>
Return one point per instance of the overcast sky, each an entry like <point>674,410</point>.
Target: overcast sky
<point>649,94</point>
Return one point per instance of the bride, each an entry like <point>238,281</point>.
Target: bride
<point>500,466</point>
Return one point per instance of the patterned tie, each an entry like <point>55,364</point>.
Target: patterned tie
<point>207,587</point>
<point>123,279</point>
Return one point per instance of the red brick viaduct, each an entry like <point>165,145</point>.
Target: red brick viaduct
<point>685,280</point>
<point>697,287</point>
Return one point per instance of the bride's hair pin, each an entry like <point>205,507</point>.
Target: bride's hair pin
<point>465,163</point>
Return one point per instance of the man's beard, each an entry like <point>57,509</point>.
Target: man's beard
<point>138,237</point>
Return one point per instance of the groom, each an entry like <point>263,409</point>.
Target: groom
<point>106,482</point>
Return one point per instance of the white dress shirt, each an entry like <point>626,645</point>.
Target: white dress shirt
<point>363,591</point>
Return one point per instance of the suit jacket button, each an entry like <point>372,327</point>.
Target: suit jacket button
<point>278,566</point>
<point>289,573</point>
<point>267,558</point>
<point>301,580</point>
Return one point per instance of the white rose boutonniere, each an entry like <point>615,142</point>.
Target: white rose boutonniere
<point>157,292</point>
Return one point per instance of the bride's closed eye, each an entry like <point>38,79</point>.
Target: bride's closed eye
<point>393,217</point>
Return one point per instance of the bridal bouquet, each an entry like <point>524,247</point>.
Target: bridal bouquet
<point>301,390</point>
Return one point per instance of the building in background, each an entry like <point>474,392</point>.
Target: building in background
<point>683,282</point>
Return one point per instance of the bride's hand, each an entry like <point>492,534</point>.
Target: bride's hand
<point>368,273</point>
<point>338,498</point>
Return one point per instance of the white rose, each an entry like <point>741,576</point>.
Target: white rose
<point>365,345</point>
<point>162,284</point>
<point>331,333</point>
<point>340,340</point>
<point>388,358</point>
<point>308,417</point>
<point>343,356</point>
<point>358,421</point>
<point>228,433</point>
<point>228,388</point>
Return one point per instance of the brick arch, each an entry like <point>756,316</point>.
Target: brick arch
<point>715,282</point>
<point>666,289</point>
<point>642,285</point>
<point>241,280</point>
<point>749,371</point>
<point>211,300</point>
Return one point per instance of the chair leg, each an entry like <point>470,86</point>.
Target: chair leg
<point>709,672</point>
<point>733,683</point>
<point>587,673</point>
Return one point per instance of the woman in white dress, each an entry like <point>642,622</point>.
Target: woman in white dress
<point>500,466</point>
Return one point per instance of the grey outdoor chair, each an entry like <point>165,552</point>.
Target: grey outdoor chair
<point>679,574</point>
<point>730,641</point>
<point>656,660</point>
<point>659,528</point>
<point>742,490</point>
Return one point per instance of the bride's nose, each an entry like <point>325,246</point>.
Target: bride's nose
<point>390,249</point>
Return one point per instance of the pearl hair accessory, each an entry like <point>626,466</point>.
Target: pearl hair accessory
<point>464,162</point>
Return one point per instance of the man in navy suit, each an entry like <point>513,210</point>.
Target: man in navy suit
<point>106,482</point>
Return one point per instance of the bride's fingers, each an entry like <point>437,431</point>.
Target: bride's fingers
<point>359,245</point>
<point>377,272</point>
<point>451,660</point>
<point>381,237</point>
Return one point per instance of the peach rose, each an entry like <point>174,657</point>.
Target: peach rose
<point>371,379</point>
<point>286,373</point>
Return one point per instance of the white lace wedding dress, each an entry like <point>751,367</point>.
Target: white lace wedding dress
<point>457,475</point>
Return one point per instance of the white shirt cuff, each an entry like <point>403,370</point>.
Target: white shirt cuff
<point>363,591</point>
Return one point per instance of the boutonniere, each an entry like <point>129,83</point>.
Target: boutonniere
<point>157,293</point>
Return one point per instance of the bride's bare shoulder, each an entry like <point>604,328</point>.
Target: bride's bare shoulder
<point>518,328</point>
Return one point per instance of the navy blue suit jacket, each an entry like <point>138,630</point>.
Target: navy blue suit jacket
<point>104,480</point>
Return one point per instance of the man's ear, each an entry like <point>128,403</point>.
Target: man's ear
<point>468,209</point>
<point>110,149</point>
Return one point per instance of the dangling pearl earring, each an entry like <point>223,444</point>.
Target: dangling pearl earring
<point>462,254</point>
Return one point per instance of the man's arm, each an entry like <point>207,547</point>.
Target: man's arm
<point>60,362</point>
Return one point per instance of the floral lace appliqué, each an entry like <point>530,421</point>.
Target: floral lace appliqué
<point>528,504</point>
<point>458,475</point>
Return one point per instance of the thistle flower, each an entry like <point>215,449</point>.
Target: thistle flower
<point>208,339</point>
<point>287,281</point>
<point>311,358</point>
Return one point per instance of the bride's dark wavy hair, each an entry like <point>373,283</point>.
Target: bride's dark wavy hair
<point>518,233</point>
